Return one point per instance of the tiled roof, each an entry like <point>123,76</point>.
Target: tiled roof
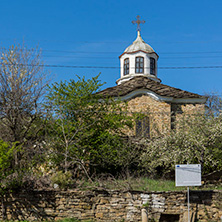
<point>146,83</point>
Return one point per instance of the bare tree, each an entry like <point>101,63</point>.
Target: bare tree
<point>213,104</point>
<point>22,84</point>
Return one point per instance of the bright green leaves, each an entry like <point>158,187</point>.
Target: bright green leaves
<point>7,153</point>
<point>6,156</point>
<point>86,129</point>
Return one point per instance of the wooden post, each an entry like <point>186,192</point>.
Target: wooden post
<point>3,208</point>
<point>144,215</point>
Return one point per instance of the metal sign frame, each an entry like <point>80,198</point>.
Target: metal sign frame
<point>188,175</point>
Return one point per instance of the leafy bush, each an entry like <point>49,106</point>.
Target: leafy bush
<point>196,139</point>
<point>64,180</point>
<point>8,175</point>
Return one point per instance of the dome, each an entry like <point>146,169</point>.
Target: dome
<point>139,59</point>
<point>139,45</point>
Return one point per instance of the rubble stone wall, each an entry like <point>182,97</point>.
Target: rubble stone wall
<point>112,206</point>
<point>161,114</point>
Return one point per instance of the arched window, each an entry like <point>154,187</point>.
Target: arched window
<point>126,66</point>
<point>152,66</point>
<point>139,68</point>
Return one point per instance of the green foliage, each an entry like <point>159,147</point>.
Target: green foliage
<point>62,179</point>
<point>196,139</point>
<point>6,158</point>
<point>12,176</point>
<point>146,205</point>
<point>85,128</point>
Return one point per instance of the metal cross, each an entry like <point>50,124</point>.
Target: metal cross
<point>138,22</point>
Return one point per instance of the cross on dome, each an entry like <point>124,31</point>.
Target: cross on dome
<point>138,59</point>
<point>138,22</point>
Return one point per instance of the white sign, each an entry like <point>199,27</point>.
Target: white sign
<point>188,175</point>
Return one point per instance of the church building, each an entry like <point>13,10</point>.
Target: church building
<point>140,86</point>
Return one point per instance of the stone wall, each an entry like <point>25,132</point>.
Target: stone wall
<point>112,205</point>
<point>159,112</point>
<point>162,114</point>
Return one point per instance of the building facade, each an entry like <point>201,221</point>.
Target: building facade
<point>140,86</point>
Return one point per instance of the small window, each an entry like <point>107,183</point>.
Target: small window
<point>139,65</point>
<point>143,127</point>
<point>126,66</point>
<point>152,66</point>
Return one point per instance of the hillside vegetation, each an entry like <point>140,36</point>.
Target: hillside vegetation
<point>64,135</point>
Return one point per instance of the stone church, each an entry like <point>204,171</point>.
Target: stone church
<point>140,86</point>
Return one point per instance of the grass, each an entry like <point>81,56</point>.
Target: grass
<point>145,184</point>
<point>141,184</point>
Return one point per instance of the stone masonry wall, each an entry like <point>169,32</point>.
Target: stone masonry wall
<point>112,206</point>
<point>188,109</point>
<point>159,112</point>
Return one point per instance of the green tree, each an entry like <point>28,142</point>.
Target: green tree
<point>86,129</point>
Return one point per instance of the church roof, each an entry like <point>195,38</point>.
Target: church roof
<point>141,82</point>
<point>139,45</point>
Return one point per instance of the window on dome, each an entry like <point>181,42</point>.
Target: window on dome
<point>152,66</point>
<point>126,66</point>
<point>139,65</point>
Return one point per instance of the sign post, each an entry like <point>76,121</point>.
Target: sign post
<point>188,175</point>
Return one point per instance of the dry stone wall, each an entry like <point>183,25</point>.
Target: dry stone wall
<point>111,205</point>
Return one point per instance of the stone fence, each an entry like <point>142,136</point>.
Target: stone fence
<point>101,205</point>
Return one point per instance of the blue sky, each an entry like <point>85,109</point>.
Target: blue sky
<point>94,33</point>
